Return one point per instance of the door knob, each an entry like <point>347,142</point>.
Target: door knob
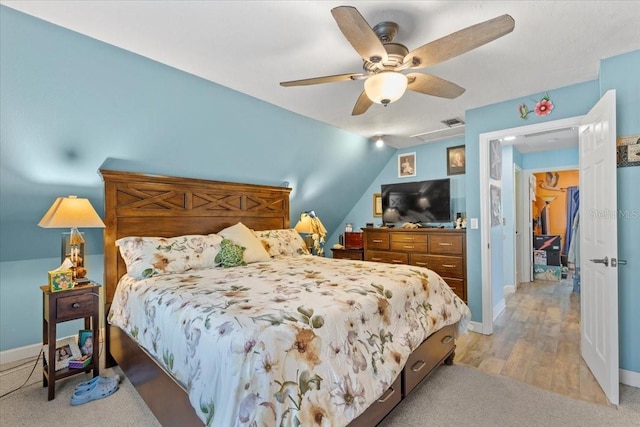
<point>615,263</point>
<point>604,261</point>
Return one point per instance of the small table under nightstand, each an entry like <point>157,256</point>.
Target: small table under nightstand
<point>81,302</point>
<point>343,253</point>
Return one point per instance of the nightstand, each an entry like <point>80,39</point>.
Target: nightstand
<point>355,254</point>
<point>81,302</point>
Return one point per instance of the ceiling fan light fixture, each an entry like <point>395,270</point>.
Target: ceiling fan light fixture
<point>385,87</point>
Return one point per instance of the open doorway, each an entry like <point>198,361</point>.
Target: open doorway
<point>499,236</point>
<point>555,216</point>
<point>598,236</point>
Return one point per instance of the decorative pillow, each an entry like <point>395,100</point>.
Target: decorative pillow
<point>286,242</point>
<point>230,255</point>
<point>243,236</point>
<point>151,256</point>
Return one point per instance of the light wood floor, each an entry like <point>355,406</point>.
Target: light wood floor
<point>536,340</point>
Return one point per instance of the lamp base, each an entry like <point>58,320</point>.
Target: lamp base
<point>308,241</point>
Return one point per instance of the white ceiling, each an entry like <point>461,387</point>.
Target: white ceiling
<point>251,46</point>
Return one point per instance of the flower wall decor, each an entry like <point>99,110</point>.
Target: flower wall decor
<point>542,108</point>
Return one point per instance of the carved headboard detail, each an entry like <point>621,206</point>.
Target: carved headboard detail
<point>151,205</point>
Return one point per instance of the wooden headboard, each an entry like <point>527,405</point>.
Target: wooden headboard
<point>151,205</point>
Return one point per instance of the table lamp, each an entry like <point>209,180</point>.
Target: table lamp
<point>72,212</point>
<point>315,233</point>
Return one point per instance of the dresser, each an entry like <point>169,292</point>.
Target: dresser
<point>442,250</point>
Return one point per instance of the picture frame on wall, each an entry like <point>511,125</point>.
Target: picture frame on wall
<point>495,160</point>
<point>496,205</point>
<point>456,160</point>
<point>406,165</point>
<point>377,205</point>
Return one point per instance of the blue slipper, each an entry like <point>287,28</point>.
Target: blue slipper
<point>85,385</point>
<point>97,391</point>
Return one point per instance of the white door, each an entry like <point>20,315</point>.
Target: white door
<point>599,244</point>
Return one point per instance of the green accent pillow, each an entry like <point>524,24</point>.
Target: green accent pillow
<point>230,255</point>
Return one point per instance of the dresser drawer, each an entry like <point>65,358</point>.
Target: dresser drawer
<point>457,285</point>
<point>409,237</point>
<point>408,246</point>
<point>388,257</point>
<point>446,266</point>
<point>75,306</point>
<point>426,357</point>
<point>446,244</point>
<point>377,240</point>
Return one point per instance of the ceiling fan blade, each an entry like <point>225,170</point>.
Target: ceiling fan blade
<point>325,79</point>
<point>362,104</point>
<point>359,33</point>
<point>460,42</point>
<point>432,85</point>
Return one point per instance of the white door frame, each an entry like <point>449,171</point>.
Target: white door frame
<point>485,206</point>
<point>518,225</point>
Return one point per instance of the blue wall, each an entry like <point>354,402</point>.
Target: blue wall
<point>431,163</point>
<point>620,73</point>
<point>70,102</point>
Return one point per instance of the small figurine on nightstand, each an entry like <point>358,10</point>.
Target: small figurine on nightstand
<point>464,223</point>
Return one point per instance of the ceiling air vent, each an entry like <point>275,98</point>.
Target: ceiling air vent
<point>456,121</point>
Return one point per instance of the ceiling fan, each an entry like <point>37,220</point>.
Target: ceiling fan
<point>385,61</point>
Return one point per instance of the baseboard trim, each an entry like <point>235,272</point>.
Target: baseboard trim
<point>32,350</point>
<point>499,308</point>
<point>15,354</point>
<point>509,289</point>
<point>630,378</point>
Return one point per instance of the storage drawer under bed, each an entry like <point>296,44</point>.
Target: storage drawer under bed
<point>426,357</point>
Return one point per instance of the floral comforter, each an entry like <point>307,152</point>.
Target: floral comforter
<point>293,341</point>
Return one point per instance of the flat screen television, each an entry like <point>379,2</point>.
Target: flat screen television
<point>421,202</point>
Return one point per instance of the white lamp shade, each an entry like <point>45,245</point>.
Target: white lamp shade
<point>385,87</point>
<point>71,212</point>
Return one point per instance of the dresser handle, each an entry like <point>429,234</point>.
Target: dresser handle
<point>447,339</point>
<point>418,365</point>
<point>449,265</point>
<point>376,240</point>
<point>421,263</point>
<point>408,246</point>
<point>75,305</point>
<point>376,259</point>
<point>445,244</point>
<point>398,261</point>
<point>387,394</point>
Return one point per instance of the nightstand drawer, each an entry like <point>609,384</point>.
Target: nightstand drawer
<point>354,254</point>
<point>75,306</point>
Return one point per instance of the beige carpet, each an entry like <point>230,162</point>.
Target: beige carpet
<point>453,395</point>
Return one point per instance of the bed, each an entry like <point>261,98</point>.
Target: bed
<point>267,300</point>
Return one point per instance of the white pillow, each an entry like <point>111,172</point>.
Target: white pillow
<point>241,235</point>
<point>285,242</point>
<point>151,256</point>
